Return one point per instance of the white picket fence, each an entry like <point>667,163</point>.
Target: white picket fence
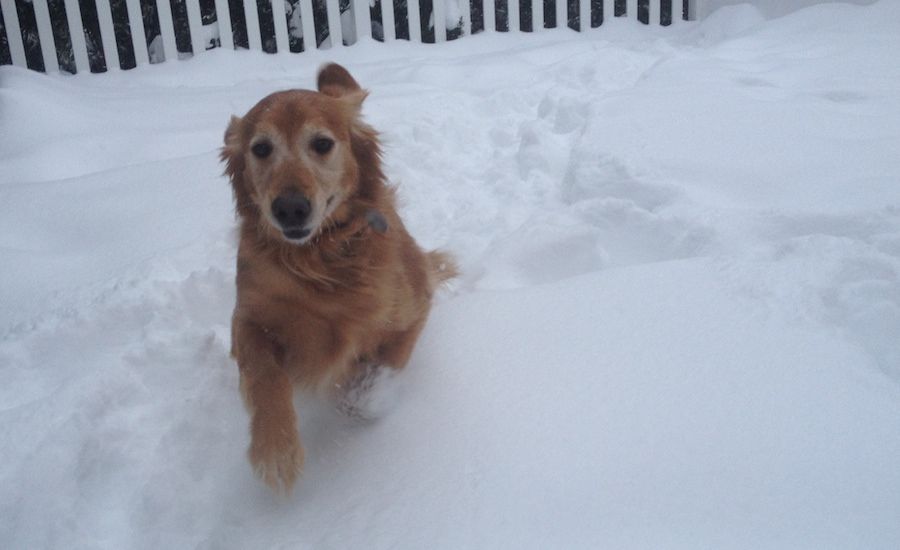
<point>349,31</point>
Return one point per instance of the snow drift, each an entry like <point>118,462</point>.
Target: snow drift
<point>677,326</point>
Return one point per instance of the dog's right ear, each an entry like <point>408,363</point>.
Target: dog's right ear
<point>233,134</point>
<point>231,150</point>
<point>232,155</point>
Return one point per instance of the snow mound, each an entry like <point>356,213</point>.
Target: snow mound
<point>676,324</point>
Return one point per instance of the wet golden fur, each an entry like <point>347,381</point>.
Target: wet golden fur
<point>318,313</point>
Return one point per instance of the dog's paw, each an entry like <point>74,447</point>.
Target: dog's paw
<point>277,460</point>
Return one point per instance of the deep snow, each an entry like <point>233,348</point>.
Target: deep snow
<point>677,326</point>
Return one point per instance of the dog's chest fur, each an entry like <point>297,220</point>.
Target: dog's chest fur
<point>340,301</point>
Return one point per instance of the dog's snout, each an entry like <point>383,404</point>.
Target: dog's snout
<point>291,209</point>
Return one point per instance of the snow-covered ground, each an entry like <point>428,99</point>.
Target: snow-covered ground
<point>677,327</point>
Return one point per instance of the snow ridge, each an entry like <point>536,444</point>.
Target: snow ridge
<point>676,325</point>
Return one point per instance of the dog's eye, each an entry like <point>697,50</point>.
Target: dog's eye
<point>262,149</point>
<point>322,145</point>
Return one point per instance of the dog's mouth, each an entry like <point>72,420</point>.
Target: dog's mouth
<point>296,234</point>
<point>300,228</point>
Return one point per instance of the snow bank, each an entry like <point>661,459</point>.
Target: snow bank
<point>676,327</point>
<point>771,8</point>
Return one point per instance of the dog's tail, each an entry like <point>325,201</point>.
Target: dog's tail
<point>442,268</point>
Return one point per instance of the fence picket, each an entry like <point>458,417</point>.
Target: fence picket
<point>362,17</point>
<point>45,35</point>
<point>490,17</point>
<point>512,11</point>
<point>537,15</point>
<point>309,26</point>
<point>223,20</point>
<point>415,21</point>
<point>466,8</point>
<point>631,9</point>
<point>13,33</point>
<point>335,30</point>
<point>76,33</point>
<point>251,16</point>
<point>387,20</point>
<point>609,10</point>
<point>279,20</point>
<point>195,27</point>
<point>108,36</point>
<point>439,18</point>
<point>167,29</point>
<point>138,37</point>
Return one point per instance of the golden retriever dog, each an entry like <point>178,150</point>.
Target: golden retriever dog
<point>329,283</point>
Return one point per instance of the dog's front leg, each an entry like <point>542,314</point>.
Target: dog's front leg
<point>275,451</point>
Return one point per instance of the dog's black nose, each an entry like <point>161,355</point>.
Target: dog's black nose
<point>291,210</point>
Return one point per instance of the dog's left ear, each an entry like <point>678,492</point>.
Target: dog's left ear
<point>335,81</point>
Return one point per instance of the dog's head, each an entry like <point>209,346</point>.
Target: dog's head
<point>292,158</point>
